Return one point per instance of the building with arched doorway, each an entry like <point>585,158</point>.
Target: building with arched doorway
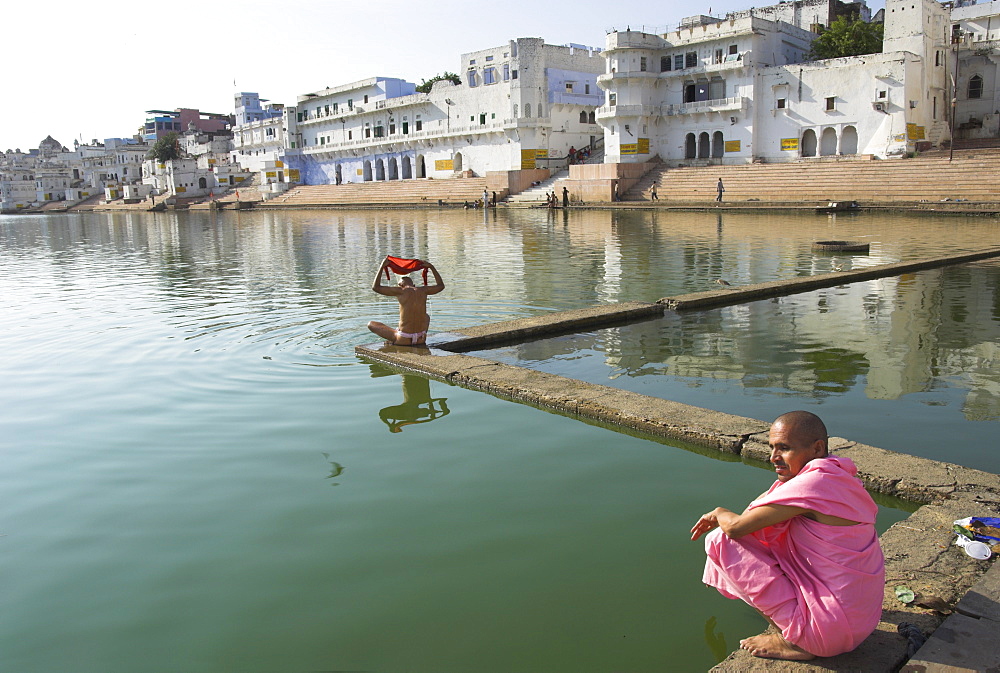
<point>742,88</point>
<point>520,105</point>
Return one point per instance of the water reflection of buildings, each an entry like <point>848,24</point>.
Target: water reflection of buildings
<point>903,335</point>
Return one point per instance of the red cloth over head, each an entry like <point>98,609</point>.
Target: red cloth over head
<point>404,266</point>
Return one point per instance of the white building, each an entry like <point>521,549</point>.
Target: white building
<point>519,105</point>
<point>976,34</point>
<point>262,133</point>
<point>740,89</point>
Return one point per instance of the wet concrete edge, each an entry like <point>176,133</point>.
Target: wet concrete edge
<point>919,551</point>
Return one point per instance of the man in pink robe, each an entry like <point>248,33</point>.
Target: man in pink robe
<point>805,554</point>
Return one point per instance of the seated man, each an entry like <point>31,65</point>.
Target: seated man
<point>805,554</point>
<point>413,318</point>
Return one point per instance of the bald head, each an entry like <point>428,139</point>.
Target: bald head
<point>806,427</point>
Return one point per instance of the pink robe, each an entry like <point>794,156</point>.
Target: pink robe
<point>822,585</point>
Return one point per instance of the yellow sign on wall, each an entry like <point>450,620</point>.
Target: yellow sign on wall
<point>789,144</point>
<point>643,145</point>
<point>732,145</point>
<point>361,171</point>
<point>270,174</point>
<point>279,164</point>
<point>527,159</point>
<point>915,132</point>
<point>444,165</point>
<point>293,174</point>
<point>628,148</point>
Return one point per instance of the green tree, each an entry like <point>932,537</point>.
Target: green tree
<point>848,38</point>
<point>426,84</point>
<point>165,148</point>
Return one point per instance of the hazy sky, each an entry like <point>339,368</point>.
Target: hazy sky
<point>80,70</point>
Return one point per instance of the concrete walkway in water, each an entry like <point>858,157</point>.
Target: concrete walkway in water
<point>919,551</point>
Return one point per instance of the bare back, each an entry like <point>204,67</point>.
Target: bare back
<point>413,317</point>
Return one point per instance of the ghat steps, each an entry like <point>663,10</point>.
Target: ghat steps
<point>429,192</point>
<point>930,177</point>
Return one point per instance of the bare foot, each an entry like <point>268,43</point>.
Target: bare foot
<point>774,646</point>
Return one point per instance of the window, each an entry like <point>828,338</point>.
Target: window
<point>642,64</point>
<point>420,124</point>
<point>513,74</point>
<point>515,110</point>
<point>326,109</point>
<point>540,110</point>
<point>612,99</point>
<point>379,130</point>
<point>586,88</point>
<point>350,134</point>
<point>489,58</point>
<point>831,103</point>
<point>336,107</point>
<point>881,95</point>
<point>781,103</point>
<point>678,61</point>
<point>489,76</point>
<point>366,98</point>
<point>472,61</point>
<point>975,87</point>
<point>583,117</point>
<point>592,118</point>
<point>691,59</point>
<point>718,56</point>
<point>937,57</point>
<point>506,72</point>
<point>569,87</point>
<point>527,109</point>
<point>472,78</point>
<point>350,104</point>
<point>732,49</point>
<point>666,63</point>
<point>392,128</point>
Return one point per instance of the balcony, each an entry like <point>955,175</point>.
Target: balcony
<point>632,39</point>
<point>625,77</point>
<point>610,112</point>
<point>735,103</point>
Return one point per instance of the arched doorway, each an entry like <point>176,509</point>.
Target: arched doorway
<point>393,170</point>
<point>718,145</point>
<point>421,170</point>
<point>809,143</point>
<point>828,142</point>
<point>202,183</point>
<point>456,162</point>
<point>379,170</point>
<point>704,145</point>
<point>689,147</point>
<point>849,141</point>
<point>367,171</point>
<point>407,172</point>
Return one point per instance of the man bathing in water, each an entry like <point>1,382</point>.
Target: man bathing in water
<point>805,554</point>
<point>413,318</point>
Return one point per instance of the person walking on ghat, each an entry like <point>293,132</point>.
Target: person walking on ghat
<point>719,188</point>
<point>486,199</point>
<point>565,198</point>
<point>652,193</point>
<point>413,317</point>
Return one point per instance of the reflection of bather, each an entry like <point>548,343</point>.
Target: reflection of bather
<point>418,406</point>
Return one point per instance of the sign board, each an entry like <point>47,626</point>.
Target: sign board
<point>789,144</point>
<point>628,148</point>
<point>527,159</point>
<point>915,132</point>
<point>444,165</point>
<point>643,145</point>
<point>293,174</point>
<point>270,174</point>
<point>732,145</point>
<point>279,164</point>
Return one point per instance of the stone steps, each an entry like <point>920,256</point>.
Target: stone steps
<point>924,178</point>
<point>402,192</point>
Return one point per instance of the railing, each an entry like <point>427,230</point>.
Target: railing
<point>713,105</point>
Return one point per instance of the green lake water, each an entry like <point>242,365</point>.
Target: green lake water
<point>200,475</point>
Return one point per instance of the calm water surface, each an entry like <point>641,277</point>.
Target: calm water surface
<point>200,475</point>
